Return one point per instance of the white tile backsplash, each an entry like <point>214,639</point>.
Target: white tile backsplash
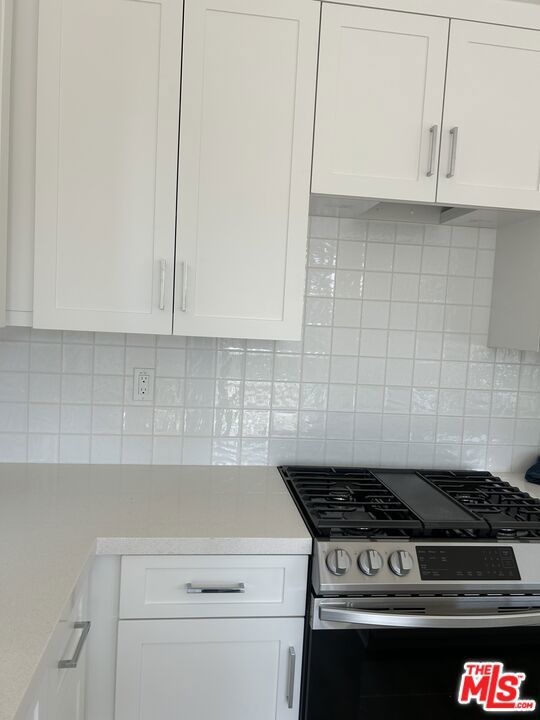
<point>393,369</point>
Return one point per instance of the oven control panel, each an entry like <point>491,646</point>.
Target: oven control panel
<point>442,562</point>
<point>386,566</point>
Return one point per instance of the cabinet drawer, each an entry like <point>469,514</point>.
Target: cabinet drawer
<point>212,586</point>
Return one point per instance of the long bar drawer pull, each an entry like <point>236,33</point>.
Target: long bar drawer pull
<point>453,152</point>
<point>238,588</point>
<point>434,132</point>
<point>290,677</point>
<point>162,277</point>
<point>72,662</point>
<point>183,303</point>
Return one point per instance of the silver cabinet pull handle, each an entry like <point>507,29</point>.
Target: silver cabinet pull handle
<point>238,588</point>
<point>162,274</point>
<point>434,132</point>
<point>183,304</point>
<point>453,152</point>
<point>72,662</point>
<point>290,677</point>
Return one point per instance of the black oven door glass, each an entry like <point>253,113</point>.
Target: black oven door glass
<point>411,674</point>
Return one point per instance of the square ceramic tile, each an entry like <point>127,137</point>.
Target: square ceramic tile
<point>403,316</point>
<point>347,313</point>
<point>314,396</point>
<point>373,343</point>
<point>259,366</point>
<point>435,260</point>
<point>405,287</point>
<point>371,370</point>
<point>321,282</point>
<point>345,341</point>
<point>288,367</point>
<point>407,259</point>
<point>351,255</point>
<point>15,357</point>
<point>377,285</point>
<point>227,422</point>
<point>109,360</point>
<point>323,227</point>
<point>437,235</point>
<point>432,288</point>
<point>462,262</point>
<point>77,359</point>
<point>349,284</point>
<point>317,340</point>
<point>410,234</point>
<point>318,311</point>
<point>375,314</point>
<point>379,256</point>
<point>105,449</point>
<point>351,229</point>
<point>322,253</point>
<point>343,369</point>
<point>399,372</point>
<point>44,387</point>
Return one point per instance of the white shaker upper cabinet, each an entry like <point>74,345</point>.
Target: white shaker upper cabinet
<point>248,92</point>
<point>379,103</point>
<point>107,138</point>
<point>490,153</point>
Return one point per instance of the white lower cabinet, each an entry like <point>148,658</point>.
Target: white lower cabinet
<point>67,696</point>
<point>231,668</point>
<point>59,686</point>
<point>202,637</point>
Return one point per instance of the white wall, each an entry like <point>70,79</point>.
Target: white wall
<point>393,370</point>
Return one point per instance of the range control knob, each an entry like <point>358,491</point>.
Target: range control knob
<point>400,563</point>
<point>338,561</point>
<point>370,562</point>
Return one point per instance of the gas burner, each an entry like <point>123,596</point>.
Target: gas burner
<point>507,533</point>
<point>383,504</point>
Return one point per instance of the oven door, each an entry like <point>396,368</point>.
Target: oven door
<point>405,658</point>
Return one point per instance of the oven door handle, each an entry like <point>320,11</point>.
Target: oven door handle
<point>386,619</point>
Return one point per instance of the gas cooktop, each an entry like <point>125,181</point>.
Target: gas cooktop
<point>379,504</point>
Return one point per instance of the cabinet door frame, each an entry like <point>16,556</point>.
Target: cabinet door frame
<point>134,634</point>
<point>6,20</point>
<point>46,311</point>
<point>287,325</point>
<point>326,178</point>
<point>455,190</point>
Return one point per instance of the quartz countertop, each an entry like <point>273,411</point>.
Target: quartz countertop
<point>54,517</point>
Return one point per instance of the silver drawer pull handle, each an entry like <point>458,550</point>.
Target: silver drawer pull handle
<point>290,677</point>
<point>238,588</point>
<point>183,303</point>
<point>434,131</point>
<point>72,662</point>
<point>453,152</point>
<point>162,274</point>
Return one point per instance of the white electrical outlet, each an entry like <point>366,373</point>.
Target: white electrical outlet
<point>143,384</point>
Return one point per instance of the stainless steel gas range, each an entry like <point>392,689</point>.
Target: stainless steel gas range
<point>415,576</point>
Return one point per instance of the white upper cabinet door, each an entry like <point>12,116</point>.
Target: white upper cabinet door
<point>107,139</point>
<point>248,93</point>
<point>490,153</point>
<point>379,104</point>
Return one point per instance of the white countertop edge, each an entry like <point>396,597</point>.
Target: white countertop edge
<point>204,546</point>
